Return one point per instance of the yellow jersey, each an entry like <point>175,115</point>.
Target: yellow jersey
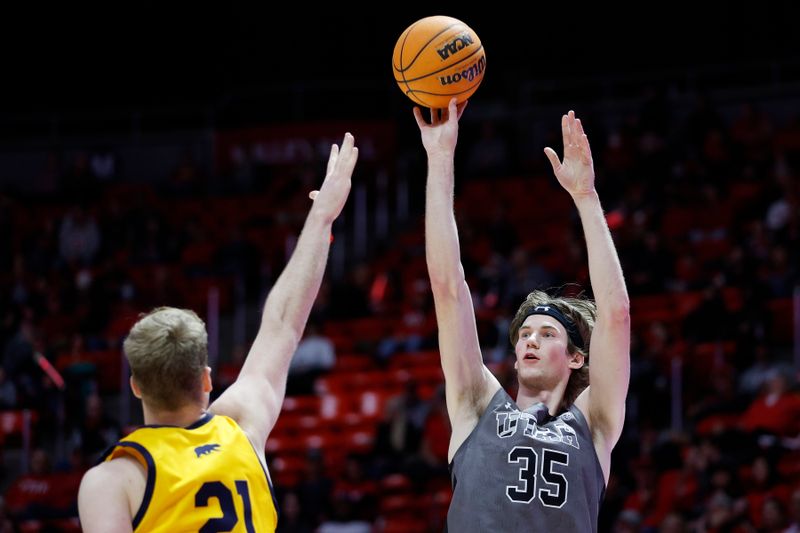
<point>203,478</point>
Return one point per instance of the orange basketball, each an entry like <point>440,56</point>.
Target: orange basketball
<point>437,58</point>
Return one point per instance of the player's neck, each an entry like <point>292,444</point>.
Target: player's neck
<point>527,396</point>
<point>182,417</point>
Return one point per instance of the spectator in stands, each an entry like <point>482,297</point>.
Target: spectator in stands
<point>314,356</point>
<point>294,519</point>
<point>19,362</point>
<point>343,519</point>
<point>8,391</point>
<point>416,326</point>
<point>673,523</point>
<point>720,515</point>
<point>315,488</point>
<point>678,489</point>
<point>96,431</point>
<point>628,521</point>
<point>40,493</point>
<point>648,399</point>
<point>354,486</point>
<point>776,410</point>
<point>228,371</point>
<point>435,439</point>
<point>642,496</point>
<point>352,295</point>
<point>764,366</point>
<point>400,432</point>
<point>762,482</point>
<point>650,264</point>
<point>794,512</point>
<point>717,400</point>
<point>722,476</point>
<point>773,516</point>
<point>79,237</point>
<point>702,324</point>
<point>780,274</point>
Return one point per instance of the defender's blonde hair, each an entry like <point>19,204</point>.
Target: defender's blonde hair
<point>167,350</point>
<point>583,313</point>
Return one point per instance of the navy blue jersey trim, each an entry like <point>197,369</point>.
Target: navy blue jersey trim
<point>266,475</point>
<point>151,480</point>
<point>203,420</point>
<point>108,451</point>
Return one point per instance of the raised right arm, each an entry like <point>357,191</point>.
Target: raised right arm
<point>468,383</point>
<point>255,399</point>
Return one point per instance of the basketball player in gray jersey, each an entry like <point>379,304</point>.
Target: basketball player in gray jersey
<point>539,462</point>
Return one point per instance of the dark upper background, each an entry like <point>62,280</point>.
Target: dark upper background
<point>69,60</point>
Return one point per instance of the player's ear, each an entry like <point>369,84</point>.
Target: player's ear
<point>576,360</point>
<point>135,388</point>
<point>207,383</point>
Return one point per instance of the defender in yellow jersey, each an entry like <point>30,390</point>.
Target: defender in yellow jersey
<point>226,492</point>
<point>196,467</point>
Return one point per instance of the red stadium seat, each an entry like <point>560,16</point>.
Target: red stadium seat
<point>301,405</point>
<point>395,484</point>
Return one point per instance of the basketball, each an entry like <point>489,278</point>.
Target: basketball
<point>436,59</point>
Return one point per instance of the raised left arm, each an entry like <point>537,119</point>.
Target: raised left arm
<point>609,353</point>
<point>255,399</point>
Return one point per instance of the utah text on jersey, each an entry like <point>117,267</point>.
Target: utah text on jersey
<point>509,418</point>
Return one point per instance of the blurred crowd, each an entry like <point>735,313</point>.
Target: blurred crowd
<point>703,207</point>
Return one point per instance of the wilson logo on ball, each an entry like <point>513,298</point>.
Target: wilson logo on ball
<point>468,74</point>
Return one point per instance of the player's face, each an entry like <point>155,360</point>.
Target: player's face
<point>541,352</point>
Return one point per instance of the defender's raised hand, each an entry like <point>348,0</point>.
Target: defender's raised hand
<point>576,172</point>
<point>331,197</point>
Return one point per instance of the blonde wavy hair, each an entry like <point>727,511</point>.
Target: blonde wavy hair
<point>167,350</point>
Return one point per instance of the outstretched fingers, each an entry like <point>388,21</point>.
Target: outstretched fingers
<point>553,157</point>
<point>418,116</point>
<point>332,159</point>
<point>340,163</point>
<point>452,111</point>
<point>434,116</point>
<point>583,143</point>
<point>351,154</point>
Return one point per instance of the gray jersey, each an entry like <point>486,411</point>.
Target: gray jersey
<point>526,471</point>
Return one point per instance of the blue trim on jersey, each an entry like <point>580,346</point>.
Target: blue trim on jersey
<point>266,475</point>
<point>108,451</point>
<point>205,419</point>
<point>151,479</point>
